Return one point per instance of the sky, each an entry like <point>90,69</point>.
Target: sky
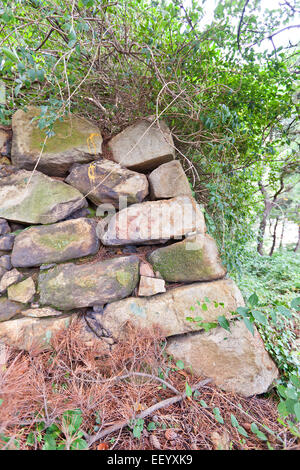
<point>281,39</point>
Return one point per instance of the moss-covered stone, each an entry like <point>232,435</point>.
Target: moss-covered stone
<point>22,292</point>
<point>72,286</point>
<point>55,243</point>
<point>194,259</point>
<point>36,198</point>
<point>76,140</point>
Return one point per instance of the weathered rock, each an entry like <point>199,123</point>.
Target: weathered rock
<point>2,271</point>
<point>9,309</point>
<point>76,140</point>
<point>5,262</point>
<point>170,310</point>
<point>194,259</point>
<point>5,161</point>
<point>39,200</point>
<point>169,180</point>
<point>236,360</point>
<point>55,243</point>
<point>104,181</point>
<point>10,278</point>
<point>27,333</point>
<point>146,270</point>
<point>22,292</point>
<point>84,212</point>
<point>154,222</point>
<point>150,286</point>
<point>141,147</point>
<point>5,142</point>
<point>41,312</point>
<point>7,242</point>
<point>75,286</point>
<point>4,227</point>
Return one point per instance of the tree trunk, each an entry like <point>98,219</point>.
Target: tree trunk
<point>282,232</point>
<point>274,237</point>
<point>262,226</point>
<point>297,247</point>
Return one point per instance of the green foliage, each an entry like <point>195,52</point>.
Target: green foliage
<point>65,434</point>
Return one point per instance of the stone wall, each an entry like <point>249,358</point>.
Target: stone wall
<point>113,242</point>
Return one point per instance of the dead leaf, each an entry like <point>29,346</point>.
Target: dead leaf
<point>102,446</point>
<point>220,441</point>
<point>170,434</point>
<point>154,442</point>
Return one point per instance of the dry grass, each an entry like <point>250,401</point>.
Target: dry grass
<point>40,386</point>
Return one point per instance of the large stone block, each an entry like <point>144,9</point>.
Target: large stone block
<point>72,286</point>
<point>104,181</point>
<point>55,243</point>
<point>143,146</point>
<point>169,311</point>
<point>194,259</point>
<point>36,199</point>
<point>169,180</point>
<point>236,361</point>
<point>154,222</point>
<point>76,140</point>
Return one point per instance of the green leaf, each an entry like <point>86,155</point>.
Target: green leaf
<point>30,439</point>
<point>295,303</point>
<point>259,316</point>
<point>253,300</point>
<point>234,421</point>
<point>180,364</point>
<point>79,444</point>
<point>49,442</point>
<point>218,416</point>
<point>224,323</point>
<point>11,55</point>
<point>297,411</point>
<point>249,325</point>
<point>151,426</point>
<point>188,390</point>
<point>204,307</point>
<point>258,433</point>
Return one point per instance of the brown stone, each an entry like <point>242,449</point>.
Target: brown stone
<point>143,146</point>
<point>154,222</point>
<point>169,180</point>
<point>236,361</point>
<point>150,286</point>
<point>55,243</point>
<point>104,181</point>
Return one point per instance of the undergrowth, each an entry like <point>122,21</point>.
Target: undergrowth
<point>62,398</point>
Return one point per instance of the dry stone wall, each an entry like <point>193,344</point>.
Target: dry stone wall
<point>113,242</point>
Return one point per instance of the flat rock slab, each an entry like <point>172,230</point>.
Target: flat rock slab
<point>7,242</point>
<point>154,222</point>
<point>104,181</point>
<point>194,259</point>
<point>10,278</point>
<point>55,243</point>
<point>4,227</point>
<point>5,262</point>
<point>39,200</point>
<point>9,309</point>
<point>169,311</point>
<point>236,361</point>
<point>151,286</point>
<point>169,180</point>
<point>74,286</point>
<point>27,333</point>
<point>143,146</point>
<point>41,312</point>
<point>22,292</point>
<point>76,140</point>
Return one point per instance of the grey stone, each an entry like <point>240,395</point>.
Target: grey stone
<point>76,140</point>
<point>55,243</point>
<point>143,146</point>
<point>169,180</point>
